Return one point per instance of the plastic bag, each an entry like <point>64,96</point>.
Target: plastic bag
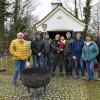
<point>28,65</point>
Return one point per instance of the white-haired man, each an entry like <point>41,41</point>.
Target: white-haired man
<point>19,49</point>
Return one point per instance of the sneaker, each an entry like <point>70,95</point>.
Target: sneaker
<point>76,77</point>
<point>91,80</point>
<point>98,79</point>
<point>15,85</point>
<point>83,78</point>
<point>71,77</point>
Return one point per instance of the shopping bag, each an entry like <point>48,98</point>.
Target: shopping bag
<point>28,65</point>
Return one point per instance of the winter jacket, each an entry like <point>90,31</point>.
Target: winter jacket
<point>98,44</point>
<point>47,46</point>
<point>37,46</point>
<point>77,46</point>
<point>68,47</point>
<point>29,40</point>
<point>55,47</point>
<point>89,53</point>
<point>20,51</point>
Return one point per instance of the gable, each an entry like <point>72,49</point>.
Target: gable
<point>60,18</point>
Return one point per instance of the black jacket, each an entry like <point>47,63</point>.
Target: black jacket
<point>68,47</point>
<point>37,46</point>
<point>55,47</point>
<point>27,38</point>
<point>98,44</point>
<point>47,46</point>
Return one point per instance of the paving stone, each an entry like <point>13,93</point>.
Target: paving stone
<point>58,89</point>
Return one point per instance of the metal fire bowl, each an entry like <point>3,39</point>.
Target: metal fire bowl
<point>35,78</point>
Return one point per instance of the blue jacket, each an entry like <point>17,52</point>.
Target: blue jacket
<point>77,46</point>
<point>89,53</point>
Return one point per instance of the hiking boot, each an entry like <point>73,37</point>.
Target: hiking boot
<point>83,78</point>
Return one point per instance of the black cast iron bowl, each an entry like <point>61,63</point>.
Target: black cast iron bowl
<point>35,78</point>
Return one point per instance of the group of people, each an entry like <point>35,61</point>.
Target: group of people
<point>75,55</point>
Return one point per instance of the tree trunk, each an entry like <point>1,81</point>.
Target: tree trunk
<point>87,15</point>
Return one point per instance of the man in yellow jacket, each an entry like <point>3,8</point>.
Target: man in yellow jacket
<point>19,49</point>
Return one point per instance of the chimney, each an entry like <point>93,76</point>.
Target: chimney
<point>54,5</point>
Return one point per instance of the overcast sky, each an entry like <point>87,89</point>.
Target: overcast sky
<point>45,7</point>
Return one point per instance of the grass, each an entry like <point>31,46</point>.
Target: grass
<point>9,66</point>
<point>93,90</point>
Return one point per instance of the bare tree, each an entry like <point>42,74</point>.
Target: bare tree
<point>66,5</point>
<point>75,7</point>
<point>95,18</point>
<point>27,6</point>
<point>22,15</point>
<point>76,10</point>
<point>87,15</point>
<point>26,9</point>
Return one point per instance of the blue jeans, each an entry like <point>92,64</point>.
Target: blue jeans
<point>79,65</point>
<point>48,61</point>
<point>20,66</point>
<point>68,64</point>
<point>98,70</point>
<point>90,68</point>
<point>38,61</point>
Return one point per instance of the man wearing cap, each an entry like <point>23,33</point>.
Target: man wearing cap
<point>57,55</point>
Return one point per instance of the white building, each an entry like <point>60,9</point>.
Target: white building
<point>60,20</point>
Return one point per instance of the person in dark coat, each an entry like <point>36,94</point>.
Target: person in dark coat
<point>28,38</point>
<point>57,52</point>
<point>68,60</point>
<point>37,48</point>
<point>47,52</point>
<point>98,57</point>
<point>77,46</point>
